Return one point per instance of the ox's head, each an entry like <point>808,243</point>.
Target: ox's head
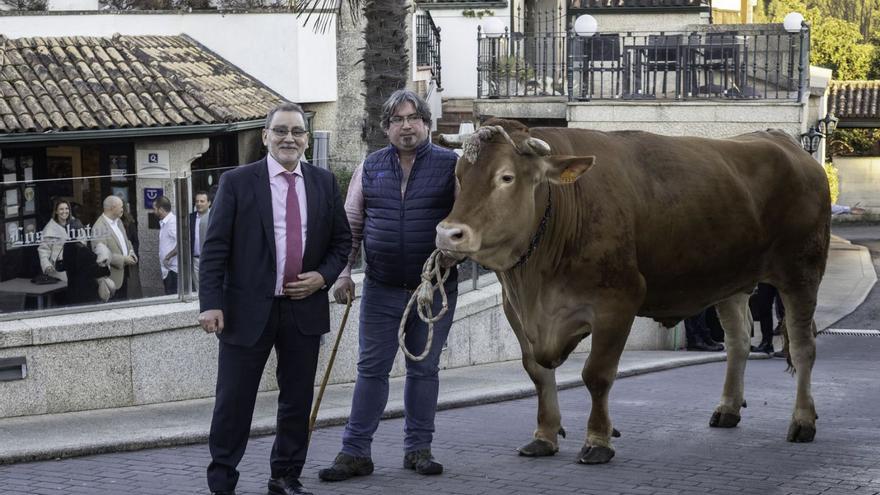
<point>505,177</point>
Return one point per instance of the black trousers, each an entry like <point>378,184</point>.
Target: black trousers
<point>761,305</point>
<point>170,283</point>
<point>238,377</point>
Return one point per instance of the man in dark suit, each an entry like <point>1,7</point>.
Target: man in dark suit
<point>198,230</point>
<point>278,237</point>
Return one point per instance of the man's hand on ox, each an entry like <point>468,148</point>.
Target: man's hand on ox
<point>343,289</point>
<point>211,320</point>
<point>308,283</point>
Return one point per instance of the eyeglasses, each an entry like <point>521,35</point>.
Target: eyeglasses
<point>282,132</point>
<point>409,119</point>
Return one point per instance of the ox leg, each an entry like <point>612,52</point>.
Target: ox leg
<point>545,441</point>
<point>598,374</point>
<point>799,310</point>
<point>735,319</point>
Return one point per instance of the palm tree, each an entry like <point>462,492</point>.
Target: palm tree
<point>386,59</point>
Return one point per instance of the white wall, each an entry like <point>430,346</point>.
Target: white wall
<point>458,50</point>
<point>274,48</point>
<point>859,181</point>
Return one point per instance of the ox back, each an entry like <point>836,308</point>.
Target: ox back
<point>709,217</point>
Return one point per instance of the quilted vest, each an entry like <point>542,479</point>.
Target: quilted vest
<point>399,231</point>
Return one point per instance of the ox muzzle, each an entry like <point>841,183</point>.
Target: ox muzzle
<point>457,238</point>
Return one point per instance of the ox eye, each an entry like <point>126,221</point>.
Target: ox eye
<point>507,178</point>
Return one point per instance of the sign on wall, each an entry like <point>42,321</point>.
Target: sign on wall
<point>153,163</point>
<point>151,194</point>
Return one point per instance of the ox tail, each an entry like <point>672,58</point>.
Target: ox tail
<point>790,369</point>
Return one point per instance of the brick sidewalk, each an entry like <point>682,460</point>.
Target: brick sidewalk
<point>666,448</point>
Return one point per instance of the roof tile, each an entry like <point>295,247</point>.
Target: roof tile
<point>73,83</point>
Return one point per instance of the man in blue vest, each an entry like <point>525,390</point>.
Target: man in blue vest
<point>396,198</point>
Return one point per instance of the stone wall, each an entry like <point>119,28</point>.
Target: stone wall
<point>151,354</point>
<point>675,118</point>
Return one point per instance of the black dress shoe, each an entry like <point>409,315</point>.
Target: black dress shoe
<point>345,466</point>
<point>701,345</point>
<point>287,485</point>
<point>422,462</point>
<point>765,347</point>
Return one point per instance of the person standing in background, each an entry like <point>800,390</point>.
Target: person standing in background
<point>167,244</point>
<point>198,228</point>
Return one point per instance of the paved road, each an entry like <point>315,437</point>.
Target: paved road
<point>666,448</point>
<point>868,314</point>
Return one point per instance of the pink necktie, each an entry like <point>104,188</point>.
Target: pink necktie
<point>293,262</point>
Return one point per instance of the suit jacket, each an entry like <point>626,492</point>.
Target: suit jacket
<point>103,234</point>
<point>203,230</point>
<point>237,266</point>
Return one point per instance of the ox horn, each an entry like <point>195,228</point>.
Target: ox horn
<point>535,146</point>
<point>454,140</point>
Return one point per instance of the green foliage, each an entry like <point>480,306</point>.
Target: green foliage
<point>479,14</point>
<point>853,142</point>
<point>32,5</point>
<point>514,67</point>
<point>836,43</point>
<point>343,177</point>
<point>833,181</point>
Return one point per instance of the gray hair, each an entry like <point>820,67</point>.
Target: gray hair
<point>111,201</point>
<point>400,97</point>
<point>284,107</point>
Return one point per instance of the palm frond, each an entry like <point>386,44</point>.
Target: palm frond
<point>322,12</point>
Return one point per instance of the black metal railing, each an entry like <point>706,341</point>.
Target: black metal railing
<point>428,45</point>
<point>727,64</point>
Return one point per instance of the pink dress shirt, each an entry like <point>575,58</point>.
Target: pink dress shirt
<point>278,185</point>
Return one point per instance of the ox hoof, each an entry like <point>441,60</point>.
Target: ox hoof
<point>615,433</point>
<point>538,448</point>
<point>801,433</point>
<point>595,455</point>
<point>724,420</point>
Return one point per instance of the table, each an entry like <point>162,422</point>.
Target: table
<point>26,287</point>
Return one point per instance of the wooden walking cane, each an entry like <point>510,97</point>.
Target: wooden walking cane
<point>329,368</point>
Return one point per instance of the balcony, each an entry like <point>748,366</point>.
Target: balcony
<point>715,62</point>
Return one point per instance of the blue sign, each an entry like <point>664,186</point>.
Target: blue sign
<point>151,194</point>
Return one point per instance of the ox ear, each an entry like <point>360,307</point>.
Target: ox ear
<point>566,169</point>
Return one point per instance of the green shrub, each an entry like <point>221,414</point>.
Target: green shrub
<point>833,181</point>
<point>343,177</point>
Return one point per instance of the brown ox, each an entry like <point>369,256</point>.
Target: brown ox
<point>587,230</point>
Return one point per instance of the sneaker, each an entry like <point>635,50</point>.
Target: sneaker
<point>422,462</point>
<point>346,466</point>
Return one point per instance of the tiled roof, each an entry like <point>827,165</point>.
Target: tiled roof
<point>86,83</point>
<point>855,99</point>
<point>633,4</point>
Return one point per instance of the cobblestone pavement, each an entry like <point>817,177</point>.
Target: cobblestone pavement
<point>667,446</point>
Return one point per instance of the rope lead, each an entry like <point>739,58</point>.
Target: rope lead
<point>424,295</point>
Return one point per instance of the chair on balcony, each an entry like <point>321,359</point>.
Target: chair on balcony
<point>662,55</point>
<point>597,62</point>
<point>718,61</point>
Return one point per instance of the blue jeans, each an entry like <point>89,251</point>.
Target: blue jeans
<point>382,307</point>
